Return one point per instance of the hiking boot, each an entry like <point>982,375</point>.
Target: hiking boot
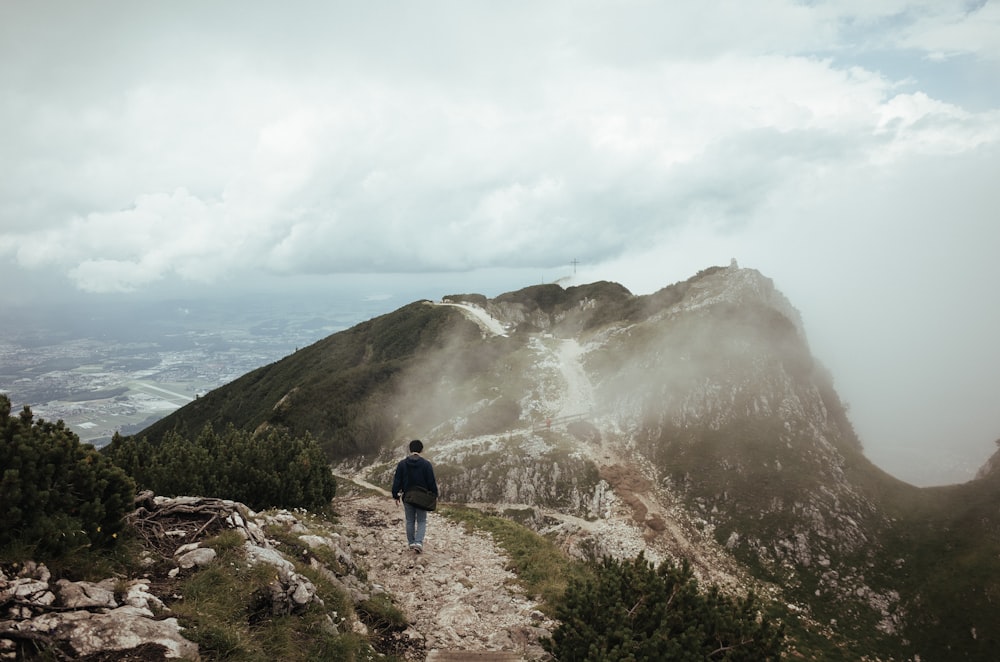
<point>417,547</point>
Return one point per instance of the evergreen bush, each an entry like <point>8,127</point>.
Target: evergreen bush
<point>56,494</point>
<point>631,610</point>
<point>265,470</point>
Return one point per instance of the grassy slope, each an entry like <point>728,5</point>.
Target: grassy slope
<point>330,389</point>
<point>949,541</point>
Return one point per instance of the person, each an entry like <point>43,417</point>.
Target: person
<point>412,471</point>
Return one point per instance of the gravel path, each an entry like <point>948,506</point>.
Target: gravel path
<point>457,594</point>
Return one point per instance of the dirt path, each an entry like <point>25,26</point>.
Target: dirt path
<point>457,595</point>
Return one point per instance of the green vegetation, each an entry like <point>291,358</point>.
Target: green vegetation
<point>381,612</point>
<point>565,305</point>
<point>265,470</point>
<point>335,390</point>
<point>59,497</point>
<point>225,605</point>
<point>222,611</point>
<point>943,554</point>
<point>541,567</point>
<point>630,610</point>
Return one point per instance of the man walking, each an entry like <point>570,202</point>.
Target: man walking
<point>414,472</point>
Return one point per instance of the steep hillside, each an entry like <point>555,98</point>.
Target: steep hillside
<point>691,423</point>
<point>334,389</point>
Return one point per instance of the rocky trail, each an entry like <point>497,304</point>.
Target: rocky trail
<point>457,596</point>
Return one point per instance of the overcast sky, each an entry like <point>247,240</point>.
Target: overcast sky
<point>848,150</point>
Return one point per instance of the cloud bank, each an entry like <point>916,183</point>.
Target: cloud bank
<point>846,149</point>
<point>452,139</point>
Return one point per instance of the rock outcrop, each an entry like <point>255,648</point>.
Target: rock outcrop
<point>80,618</point>
<point>85,618</point>
<point>457,596</point>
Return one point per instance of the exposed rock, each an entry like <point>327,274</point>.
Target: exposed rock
<point>86,618</point>
<point>200,556</point>
<point>86,633</point>
<point>138,595</point>
<point>460,618</point>
<point>86,595</point>
<point>316,541</point>
<point>260,554</point>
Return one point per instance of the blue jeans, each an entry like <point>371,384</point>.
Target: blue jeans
<point>416,524</point>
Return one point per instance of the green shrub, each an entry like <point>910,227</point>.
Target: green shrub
<point>630,610</point>
<point>57,494</point>
<point>267,470</point>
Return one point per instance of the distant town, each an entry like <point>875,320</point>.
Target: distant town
<point>122,369</point>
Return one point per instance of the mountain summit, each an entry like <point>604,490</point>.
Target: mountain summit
<point>692,423</point>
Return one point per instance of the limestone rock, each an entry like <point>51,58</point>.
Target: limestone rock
<point>258,554</point>
<point>86,595</point>
<point>459,617</point>
<point>196,557</point>
<point>124,628</point>
<point>138,595</point>
<point>316,541</point>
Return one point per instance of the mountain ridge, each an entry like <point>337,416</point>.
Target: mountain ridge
<point>695,414</point>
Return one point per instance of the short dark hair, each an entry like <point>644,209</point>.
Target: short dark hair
<point>416,446</point>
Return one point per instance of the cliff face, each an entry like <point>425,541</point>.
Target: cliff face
<point>738,421</point>
<point>690,423</point>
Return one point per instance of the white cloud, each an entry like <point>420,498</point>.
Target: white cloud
<point>358,178</point>
<point>948,29</point>
<point>157,147</point>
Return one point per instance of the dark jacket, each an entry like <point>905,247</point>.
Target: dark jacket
<point>414,470</point>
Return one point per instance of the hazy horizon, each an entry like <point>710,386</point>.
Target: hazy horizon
<point>113,322</point>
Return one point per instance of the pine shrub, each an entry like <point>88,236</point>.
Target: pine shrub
<point>56,494</point>
<point>265,470</point>
<point>631,610</point>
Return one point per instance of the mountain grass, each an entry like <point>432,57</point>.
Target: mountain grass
<point>542,568</point>
<point>943,553</point>
<point>335,390</point>
<point>220,612</point>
